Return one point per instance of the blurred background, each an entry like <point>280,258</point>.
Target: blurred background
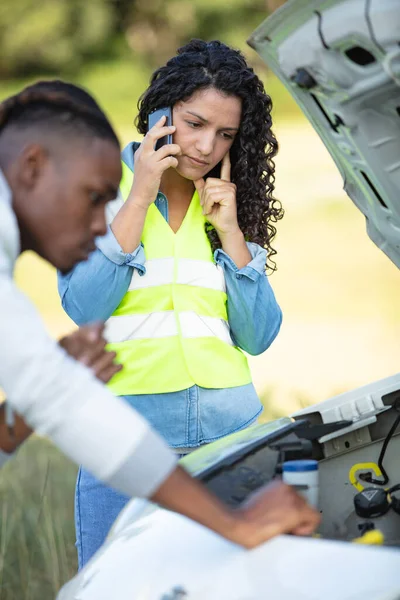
<point>339,294</point>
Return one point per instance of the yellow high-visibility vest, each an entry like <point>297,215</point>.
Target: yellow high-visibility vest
<point>171,329</point>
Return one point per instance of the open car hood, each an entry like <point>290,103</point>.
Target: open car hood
<point>340,60</point>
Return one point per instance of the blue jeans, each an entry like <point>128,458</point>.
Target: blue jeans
<point>194,417</point>
<point>96,508</point>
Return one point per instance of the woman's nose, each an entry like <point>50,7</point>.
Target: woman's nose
<point>205,143</point>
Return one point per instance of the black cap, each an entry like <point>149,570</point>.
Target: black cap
<point>371,502</point>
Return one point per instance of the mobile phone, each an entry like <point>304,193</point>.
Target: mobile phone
<point>156,116</point>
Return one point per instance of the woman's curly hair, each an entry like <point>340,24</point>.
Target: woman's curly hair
<point>200,65</point>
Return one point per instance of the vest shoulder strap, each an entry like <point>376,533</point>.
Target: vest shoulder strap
<point>128,153</point>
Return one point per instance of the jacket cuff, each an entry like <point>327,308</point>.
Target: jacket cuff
<point>111,249</point>
<point>253,270</point>
<point>146,469</point>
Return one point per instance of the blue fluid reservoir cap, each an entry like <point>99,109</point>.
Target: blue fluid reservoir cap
<point>299,466</point>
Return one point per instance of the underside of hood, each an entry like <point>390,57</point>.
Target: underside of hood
<point>340,60</point>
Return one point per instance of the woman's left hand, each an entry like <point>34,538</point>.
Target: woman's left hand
<point>218,199</point>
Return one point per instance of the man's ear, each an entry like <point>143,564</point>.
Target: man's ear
<point>31,163</point>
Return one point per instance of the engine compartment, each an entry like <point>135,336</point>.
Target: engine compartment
<point>357,459</point>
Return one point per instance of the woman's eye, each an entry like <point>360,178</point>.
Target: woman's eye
<point>193,124</point>
<point>227,136</point>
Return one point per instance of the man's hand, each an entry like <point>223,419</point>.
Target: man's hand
<point>87,346</point>
<point>273,510</point>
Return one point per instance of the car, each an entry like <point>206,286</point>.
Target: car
<point>340,59</point>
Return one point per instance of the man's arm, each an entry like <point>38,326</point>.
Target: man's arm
<point>61,399</point>
<point>12,437</point>
<point>87,346</point>
<point>272,510</point>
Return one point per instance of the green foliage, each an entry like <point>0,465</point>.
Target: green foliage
<point>60,36</point>
<point>52,35</point>
<point>154,28</point>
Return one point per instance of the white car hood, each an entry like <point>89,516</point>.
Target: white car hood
<point>164,556</point>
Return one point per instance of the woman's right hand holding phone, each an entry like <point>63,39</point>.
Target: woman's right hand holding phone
<point>150,164</point>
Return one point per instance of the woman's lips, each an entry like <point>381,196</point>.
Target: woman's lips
<point>197,162</point>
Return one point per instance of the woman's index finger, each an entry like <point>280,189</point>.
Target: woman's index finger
<point>226,168</point>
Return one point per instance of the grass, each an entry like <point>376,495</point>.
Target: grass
<point>36,531</point>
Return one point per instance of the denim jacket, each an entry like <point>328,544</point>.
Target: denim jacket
<point>187,418</point>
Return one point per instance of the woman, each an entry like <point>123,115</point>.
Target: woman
<point>180,276</point>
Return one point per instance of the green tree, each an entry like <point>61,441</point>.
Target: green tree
<point>155,28</point>
<point>52,35</point>
<point>61,36</point>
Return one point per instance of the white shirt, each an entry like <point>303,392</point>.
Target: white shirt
<point>60,398</point>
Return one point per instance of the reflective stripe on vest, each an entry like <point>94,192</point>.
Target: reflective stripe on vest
<point>164,324</point>
<point>200,273</point>
<point>171,329</point>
